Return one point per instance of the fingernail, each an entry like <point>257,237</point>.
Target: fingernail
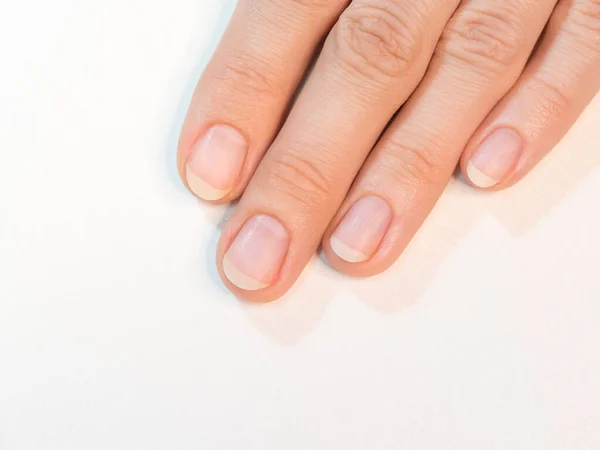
<point>494,158</point>
<point>255,257</point>
<point>215,162</point>
<point>360,233</point>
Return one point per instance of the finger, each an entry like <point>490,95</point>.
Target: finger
<point>481,54</point>
<point>373,59</point>
<point>244,91</point>
<point>559,82</point>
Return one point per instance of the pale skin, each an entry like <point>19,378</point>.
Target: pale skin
<point>355,157</point>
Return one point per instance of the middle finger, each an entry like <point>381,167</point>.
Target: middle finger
<point>372,60</point>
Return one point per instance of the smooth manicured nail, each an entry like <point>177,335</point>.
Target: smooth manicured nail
<point>360,233</point>
<point>255,257</point>
<point>494,158</point>
<point>215,162</point>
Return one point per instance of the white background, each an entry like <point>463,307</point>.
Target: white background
<point>116,333</point>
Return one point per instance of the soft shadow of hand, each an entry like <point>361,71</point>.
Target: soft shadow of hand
<point>519,209</point>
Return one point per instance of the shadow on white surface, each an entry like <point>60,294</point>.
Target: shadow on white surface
<point>519,210</point>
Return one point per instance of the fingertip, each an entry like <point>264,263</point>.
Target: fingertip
<point>202,189</point>
<point>346,253</point>
<point>477,178</point>
<point>239,278</point>
<point>346,265</point>
<point>494,159</point>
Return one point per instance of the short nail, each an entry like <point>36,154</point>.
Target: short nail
<point>215,162</point>
<point>361,231</point>
<point>495,158</point>
<point>255,257</point>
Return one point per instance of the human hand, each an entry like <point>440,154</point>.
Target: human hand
<point>402,91</point>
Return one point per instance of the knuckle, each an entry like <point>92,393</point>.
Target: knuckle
<point>589,12</point>
<point>302,179</point>
<point>410,160</point>
<point>249,77</point>
<point>488,39</point>
<point>585,24</point>
<point>551,99</point>
<point>377,40</point>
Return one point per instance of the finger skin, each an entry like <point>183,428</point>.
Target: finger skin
<point>481,54</point>
<point>246,89</point>
<point>561,79</point>
<point>374,58</point>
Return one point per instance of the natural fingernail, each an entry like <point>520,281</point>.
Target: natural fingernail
<point>255,257</point>
<point>215,162</point>
<point>360,233</point>
<point>494,158</point>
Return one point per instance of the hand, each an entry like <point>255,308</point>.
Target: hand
<point>401,91</point>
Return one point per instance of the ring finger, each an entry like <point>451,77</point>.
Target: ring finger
<point>482,52</point>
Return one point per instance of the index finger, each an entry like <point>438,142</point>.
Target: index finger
<point>244,92</point>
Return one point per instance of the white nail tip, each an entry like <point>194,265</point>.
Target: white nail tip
<point>478,178</point>
<point>345,252</point>
<point>239,278</point>
<point>202,189</point>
